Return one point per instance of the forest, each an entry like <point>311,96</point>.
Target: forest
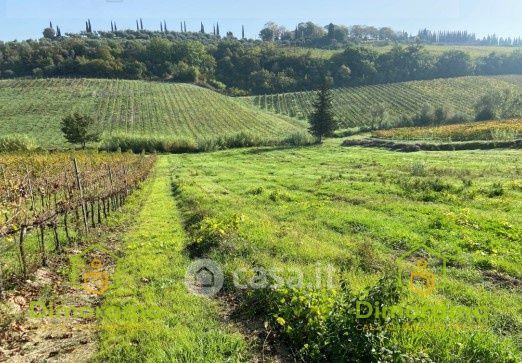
<point>235,66</point>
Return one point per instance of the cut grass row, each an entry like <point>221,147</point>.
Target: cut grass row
<point>149,281</point>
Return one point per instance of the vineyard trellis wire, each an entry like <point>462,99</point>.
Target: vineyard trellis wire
<point>41,193</point>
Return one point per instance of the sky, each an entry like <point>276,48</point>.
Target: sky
<point>24,19</point>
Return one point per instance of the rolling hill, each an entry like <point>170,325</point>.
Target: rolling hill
<point>35,108</point>
<point>352,106</point>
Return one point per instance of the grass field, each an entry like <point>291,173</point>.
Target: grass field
<point>361,210</point>
<point>490,130</point>
<point>352,105</point>
<point>35,108</point>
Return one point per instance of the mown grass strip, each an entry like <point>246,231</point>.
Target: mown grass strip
<point>161,320</point>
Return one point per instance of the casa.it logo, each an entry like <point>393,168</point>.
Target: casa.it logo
<point>421,278</point>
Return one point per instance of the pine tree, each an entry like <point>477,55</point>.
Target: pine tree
<point>242,32</point>
<point>322,121</point>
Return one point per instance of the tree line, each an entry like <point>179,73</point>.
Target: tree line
<point>237,66</point>
<point>309,34</point>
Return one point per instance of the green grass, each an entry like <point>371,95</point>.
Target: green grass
<point>352,105</point>
<point>36,107</point>
<point>360,210</point>
<point>149,279</point>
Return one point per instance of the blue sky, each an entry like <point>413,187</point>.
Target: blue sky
<point>23,19</point>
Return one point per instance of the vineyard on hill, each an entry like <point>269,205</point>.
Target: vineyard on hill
<point>352,106</point>
<point>35,108</point>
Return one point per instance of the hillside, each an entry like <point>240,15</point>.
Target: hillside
<point>352,105</point>
<point>35,107</point>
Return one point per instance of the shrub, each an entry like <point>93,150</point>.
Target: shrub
<point>140,143</point>
<point>17,143</point>
<point>299,139</point>
<point>322,325</point>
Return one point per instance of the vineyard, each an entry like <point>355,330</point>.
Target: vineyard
<point>35,108</point>
<point>352,106</point>
<point>48,200</point>
<point>491,130</point>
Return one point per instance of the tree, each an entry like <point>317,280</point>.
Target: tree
<point>49,33</point>
<point>322,121</point>
<point>378,115</point>
<point>202,28</point>
<point>242,32</point>
<point>77,129</point>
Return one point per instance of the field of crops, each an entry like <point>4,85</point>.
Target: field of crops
<point>491,130</point>
<point>58,194</point>
<point>352,105</point>
<point>35,108</point>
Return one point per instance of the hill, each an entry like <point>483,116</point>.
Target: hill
<point>35,108</point>
<point>352,106</point>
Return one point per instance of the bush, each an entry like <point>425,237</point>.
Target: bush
<point>299,139</point>
<point>322,325</point>
<point>17,143</point>
<point>140,143</point>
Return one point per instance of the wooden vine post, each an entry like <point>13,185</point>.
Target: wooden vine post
<point>21,247</point>
<point>82,200</point>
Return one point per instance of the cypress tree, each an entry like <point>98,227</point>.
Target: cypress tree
<point>165,26</point>
<point>112,27</point>
<point>141,23</point>
<point>214,31</point>
<point>242,32</point>
<point>322,121</point>
<point>86,27</point>
<point>50,24</point>
<point>137,26</point>
<point>181,26</point>
<point>115,27</point>
<point>161,27</point>
<point>217,29</point>
<point>185,27</point>
<point>202,28</point>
